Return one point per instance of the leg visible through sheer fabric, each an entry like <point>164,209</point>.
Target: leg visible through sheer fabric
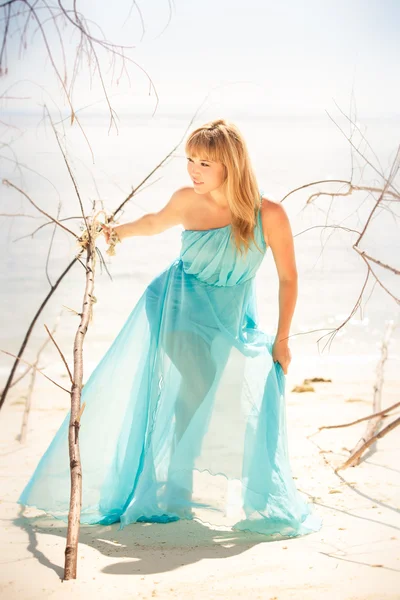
<point>191,355</point>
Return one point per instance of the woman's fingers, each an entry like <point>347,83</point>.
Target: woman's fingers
<point>106,231</point>
<point>284,364</point>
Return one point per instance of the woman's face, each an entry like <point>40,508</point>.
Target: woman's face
<point>206,175</point>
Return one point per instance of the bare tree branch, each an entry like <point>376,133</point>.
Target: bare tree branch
<point>42,13</point>
<point>382,413</point>
<point>377,262</point>
<point>350,462</point>
<point>30,329</point>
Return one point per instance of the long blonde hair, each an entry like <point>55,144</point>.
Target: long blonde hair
<point>222,142</point>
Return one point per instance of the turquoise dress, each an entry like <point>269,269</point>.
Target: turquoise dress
<point>185,413</point>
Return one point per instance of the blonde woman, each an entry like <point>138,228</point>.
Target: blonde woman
<point>185,414</point>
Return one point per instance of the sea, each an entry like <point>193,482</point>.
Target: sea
<point>341,317</point>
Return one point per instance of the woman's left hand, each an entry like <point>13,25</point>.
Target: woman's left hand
<point>281,354</point>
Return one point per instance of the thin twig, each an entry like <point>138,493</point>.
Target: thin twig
<point>28,401</point>
<point>61,354</point>
<point>69,171</point>
<point>33,367</point>
<point>7,182</point>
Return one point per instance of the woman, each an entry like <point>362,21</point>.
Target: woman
<point>185,414</point>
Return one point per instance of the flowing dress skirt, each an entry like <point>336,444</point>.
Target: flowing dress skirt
<point>184,418</point>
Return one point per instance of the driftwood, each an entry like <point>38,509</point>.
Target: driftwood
<point>371,433</point>
<point>357,454</point>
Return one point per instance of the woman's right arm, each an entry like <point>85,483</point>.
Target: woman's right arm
<point>152,223</point>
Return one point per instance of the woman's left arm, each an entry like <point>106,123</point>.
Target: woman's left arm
<point>276,225</point>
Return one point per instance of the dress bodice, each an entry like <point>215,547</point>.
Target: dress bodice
<point>212,257</point>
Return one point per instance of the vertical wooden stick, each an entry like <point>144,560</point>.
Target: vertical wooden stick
<point>71,550</point>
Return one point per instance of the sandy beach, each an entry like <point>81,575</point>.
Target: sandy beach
<point>96,105</point>
<point>355,556</point>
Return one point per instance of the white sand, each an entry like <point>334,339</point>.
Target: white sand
<point>356,555</point>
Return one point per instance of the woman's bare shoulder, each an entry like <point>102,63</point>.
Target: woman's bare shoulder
<point>180,199</point>
<point>183,197</point>
<point>185,190</point>
<point>174,211</point>
<point>272,209</point>
<point>269,204</point>
<point>273,215</point>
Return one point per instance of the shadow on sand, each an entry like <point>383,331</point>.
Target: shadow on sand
<point>152,547</point>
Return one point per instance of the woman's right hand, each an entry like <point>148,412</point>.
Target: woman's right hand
<point>107,229</point>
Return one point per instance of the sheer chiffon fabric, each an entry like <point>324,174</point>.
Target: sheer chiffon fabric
<point>185,413</point>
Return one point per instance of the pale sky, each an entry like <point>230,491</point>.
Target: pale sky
<point>287,57</point>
